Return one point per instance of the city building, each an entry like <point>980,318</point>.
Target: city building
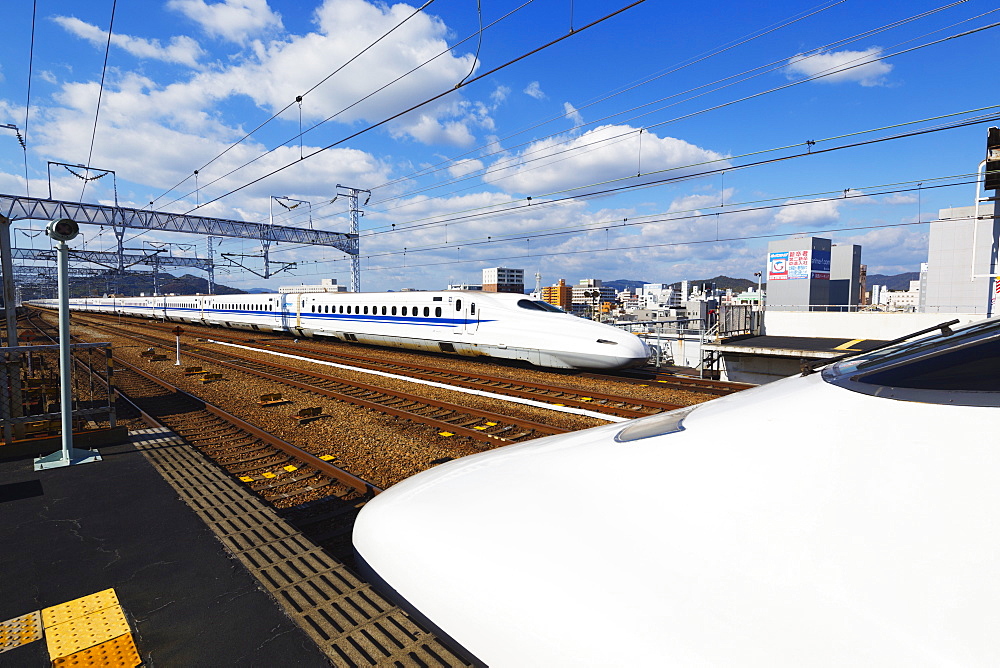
<point>592,291</point>
<point>503,279</point>
<point>845,276</point>
<point>560,295</point>
<point>962,261</point>
<point>325,285</point>
<point>798,273</point>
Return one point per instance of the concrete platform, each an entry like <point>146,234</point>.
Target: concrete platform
<point>762,359</point>
<point>71,532</point>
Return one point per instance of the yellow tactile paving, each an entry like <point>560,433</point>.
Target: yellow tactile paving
<point>20,631</point>
<point>120,651</point>
<point>83,632</point>
<point>79,607</point>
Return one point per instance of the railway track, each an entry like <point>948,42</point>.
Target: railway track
<point>557,395</point>
<point>288,520</point>
<point>488,428</point>
<point>659,378</point>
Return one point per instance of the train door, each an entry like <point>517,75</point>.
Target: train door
<point>471,317</point>
<point>285,316</point>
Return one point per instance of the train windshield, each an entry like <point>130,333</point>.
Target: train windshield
<point>533,305</point>
<point>960,368</point>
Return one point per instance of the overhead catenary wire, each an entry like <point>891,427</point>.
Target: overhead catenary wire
<point>625,134</point>
<point>769,161</point>
<point>27,102</point>
<point>100,93</point>
<point>358,101</point>
<point>750,37</point>
<point>549,252</point>
<point>741,77</point>
<point>538,201</point>
<point>522,205</point>
<point>425,102</point>
<point>298,99</point>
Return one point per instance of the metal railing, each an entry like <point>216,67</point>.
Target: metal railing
<point>29,388</point>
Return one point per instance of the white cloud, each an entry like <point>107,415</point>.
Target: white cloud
<point>499,95</point>
<point>232,20</point>
<point>820,211</point>
<point>573,115</point>
<point>871,73</point>
<point>182,50</point>
<point>464,167</point>
<point>598,155</point>
<point>898,198</point>
<point>809,212</point>
<point>281,70</point>
<point>534,90</point>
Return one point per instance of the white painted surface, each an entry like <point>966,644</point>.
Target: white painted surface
<point>861,325</point>
<point>431,383</point>
<point>816,534</point>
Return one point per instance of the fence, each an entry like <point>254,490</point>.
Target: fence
<point>29,389</point>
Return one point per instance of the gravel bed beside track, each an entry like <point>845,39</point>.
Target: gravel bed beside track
<point>373,446</point>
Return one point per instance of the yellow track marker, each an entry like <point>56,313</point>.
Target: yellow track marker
<point>291,468</point>
<point>269,475</point>
<point>246,478</point>
<point>445,433</point>
<point>327,458</point>
<point>847,346</point>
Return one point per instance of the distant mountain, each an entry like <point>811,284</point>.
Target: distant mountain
<point>897,282</point>
<point>625,284</point>
<point>132,285</point>
<point>259,291</point>
<point>723,283</point>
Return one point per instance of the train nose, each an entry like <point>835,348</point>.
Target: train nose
<point>630,350</point>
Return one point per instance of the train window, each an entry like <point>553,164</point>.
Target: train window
<point>960,367</point>
<point>458,304</point>
<point>404,310</point>
<point>437,299</point>
<point>974,368</point>
<point>472,308</point>
<point>427,311</point>
<point>366,310</point>
<point>437,312</point>
<point>394,310</point>
<point>383,310</point>
<point>538,306</point>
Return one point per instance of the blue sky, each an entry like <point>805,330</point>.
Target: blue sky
<point>636,140</point>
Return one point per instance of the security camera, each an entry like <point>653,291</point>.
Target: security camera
<point>63,229</point>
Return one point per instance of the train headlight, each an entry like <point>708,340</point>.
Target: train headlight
<point>655,425</point>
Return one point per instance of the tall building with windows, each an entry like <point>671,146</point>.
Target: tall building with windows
<point>584,292</point>
<point>503,279</point>
<point>560,295</point>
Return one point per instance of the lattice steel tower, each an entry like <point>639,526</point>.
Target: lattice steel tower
<point>356,214</point>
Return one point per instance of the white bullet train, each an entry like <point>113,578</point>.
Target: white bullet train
<point>843,518</point>
<point>507,326</point>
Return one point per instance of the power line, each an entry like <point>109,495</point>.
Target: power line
<point>424,103</point>
<point>774,65</point>
<point>100,93</point>
<point>620,137</point>
<point>357,102</point>
<point>521,204</point>
<point>299,98</point>
<point>27,103</point>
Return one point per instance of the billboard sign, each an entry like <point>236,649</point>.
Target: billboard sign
<point>777,266</point>
<point>798,265</point>
<point>821,265</point>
